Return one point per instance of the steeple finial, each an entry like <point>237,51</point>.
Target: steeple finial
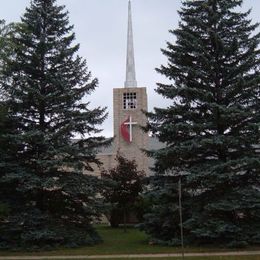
<point>130,60</point>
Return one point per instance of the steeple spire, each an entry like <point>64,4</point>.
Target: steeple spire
<point>130,60</point>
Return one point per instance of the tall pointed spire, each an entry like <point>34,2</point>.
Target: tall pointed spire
<point>130,60</point>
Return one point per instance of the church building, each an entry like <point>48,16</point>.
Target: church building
<point>129,102</point>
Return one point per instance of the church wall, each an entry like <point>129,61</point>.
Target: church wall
<point>108,162</point>
<point>131,150</point>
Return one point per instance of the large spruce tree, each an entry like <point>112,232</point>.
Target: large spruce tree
<point>6,45</point>
<point>46,86</point>
<point>212,127</point>
<point>4,32</point>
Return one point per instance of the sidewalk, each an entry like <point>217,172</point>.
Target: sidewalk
<point>238,253</point>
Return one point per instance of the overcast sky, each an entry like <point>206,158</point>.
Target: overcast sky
<point>101,27</point>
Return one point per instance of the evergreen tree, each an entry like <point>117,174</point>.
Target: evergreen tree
<point>161,214</point>
<point>8,149</point>
<point>3,128</point>
<point>8,167</point>
<point>46,86</point>
<point>6,45</point>
<point>4,31</point>
<point>211,129</point>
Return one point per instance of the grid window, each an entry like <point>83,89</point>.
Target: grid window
<point>129,100</point>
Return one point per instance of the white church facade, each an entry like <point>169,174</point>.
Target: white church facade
<point>129,102</point>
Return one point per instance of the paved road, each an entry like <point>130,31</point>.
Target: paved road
<point>127,256</point>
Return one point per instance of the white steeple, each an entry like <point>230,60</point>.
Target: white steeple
<point>130,60</point>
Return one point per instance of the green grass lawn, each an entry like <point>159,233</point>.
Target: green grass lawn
<point>186,258</point>
<point>116,241</point>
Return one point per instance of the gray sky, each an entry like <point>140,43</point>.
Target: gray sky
<point>101,27</point>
